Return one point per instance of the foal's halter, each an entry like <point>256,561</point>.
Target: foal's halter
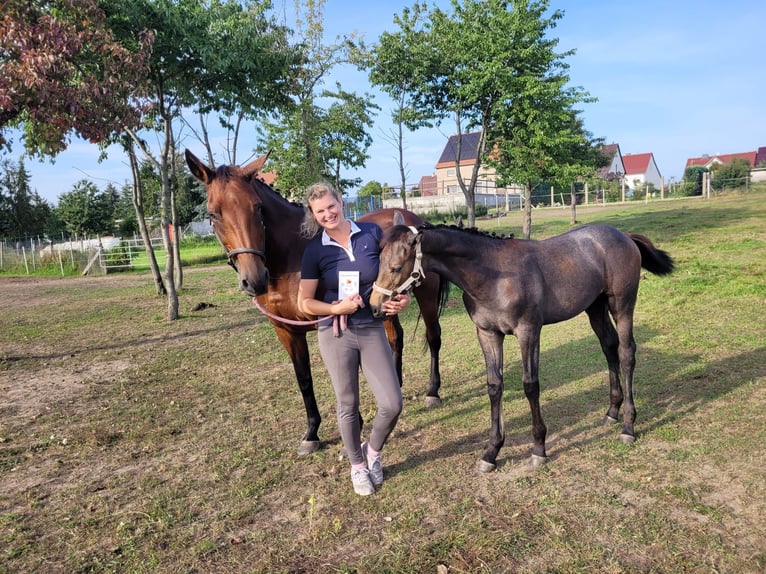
<point>416,277</point>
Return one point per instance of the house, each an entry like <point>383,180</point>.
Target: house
<point>428,185</point>
<point>446,172</point>
<point>640,168</point>
<point>709,161</point>
<point>615,169</point>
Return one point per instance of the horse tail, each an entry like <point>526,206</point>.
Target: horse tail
<point>653,259</point>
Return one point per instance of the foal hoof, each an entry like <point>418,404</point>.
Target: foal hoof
<point>607,420</point>
<point>537,461</point>
<point>308,446</point>
<point>484,467</point>
<point>627,438</point>
<point>432,402</point>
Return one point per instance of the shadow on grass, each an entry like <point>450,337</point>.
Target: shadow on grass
<point>668,395</point>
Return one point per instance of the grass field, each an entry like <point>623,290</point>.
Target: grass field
<point>132,444</point>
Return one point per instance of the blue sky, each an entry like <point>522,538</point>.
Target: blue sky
<point>677,78</point>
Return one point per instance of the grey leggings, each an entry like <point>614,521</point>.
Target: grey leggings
<point>363,345</point>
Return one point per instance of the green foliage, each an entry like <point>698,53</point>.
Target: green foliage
<point>693,180</point>
<point>86,210</point>
<point>370,188</point>
<point>23,213</point>
<point>323,131</point>
<point>731,175</point>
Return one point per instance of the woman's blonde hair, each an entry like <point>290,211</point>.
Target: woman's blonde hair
<point>309,226</point>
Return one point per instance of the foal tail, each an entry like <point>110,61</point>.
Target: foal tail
<point>653,259</point>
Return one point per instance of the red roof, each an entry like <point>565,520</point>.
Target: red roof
<point>636,163</point>
<point>268,177</point>
<point>723,158</point>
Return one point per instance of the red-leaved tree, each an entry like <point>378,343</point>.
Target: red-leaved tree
<point>62,72</point>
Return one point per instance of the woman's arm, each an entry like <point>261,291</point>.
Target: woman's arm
<point>307,302</point>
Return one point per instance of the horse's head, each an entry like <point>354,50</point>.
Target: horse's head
<point>399,265</point>
<point>235,210</point>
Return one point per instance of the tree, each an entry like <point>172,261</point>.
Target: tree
<point>63,72</point>
<point>85,210</point>
<point>732,175</point>
<point>693,180</point>
<point>371,188</point>
<point>490,67</point>
<point>23,213</point>
<point>201,49</point>
<point>309,142</point>
<point>395,66</point>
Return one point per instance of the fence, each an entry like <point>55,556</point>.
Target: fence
<point>91,256</point>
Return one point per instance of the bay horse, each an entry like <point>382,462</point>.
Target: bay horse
<point>513,286</point>
<point>259,229</point>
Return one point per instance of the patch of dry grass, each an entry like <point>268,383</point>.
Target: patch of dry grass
<point>128,443</point>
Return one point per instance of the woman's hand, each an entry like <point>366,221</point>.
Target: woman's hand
<point>396,304</point>
<point>349,305</point>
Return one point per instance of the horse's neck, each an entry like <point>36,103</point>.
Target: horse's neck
<point>453,254</point>
<point>283,221</point>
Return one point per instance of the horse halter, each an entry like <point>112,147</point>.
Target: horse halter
<point>416,277</point>
<point>232,255</point>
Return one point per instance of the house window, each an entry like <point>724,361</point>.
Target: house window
<point>451,172</point>
<point>451,189</point>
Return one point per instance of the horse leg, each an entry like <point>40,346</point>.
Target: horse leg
<point>627,352</point>
<point>622,311</point>
<point>529,342</point>
<point>429,310</point>
<point>297,348</point>
<point>395,335</point>
<point>598,313</point>
<point>492,346</point>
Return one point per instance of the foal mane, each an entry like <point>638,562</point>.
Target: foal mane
<point>469,230</point>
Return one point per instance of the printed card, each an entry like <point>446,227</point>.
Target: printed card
<point>348,283</point>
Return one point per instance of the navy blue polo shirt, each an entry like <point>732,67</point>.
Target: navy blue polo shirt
<point>324,258</point>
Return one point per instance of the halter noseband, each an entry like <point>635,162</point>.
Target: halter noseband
<point>234,252</point>
<point>416,277</point>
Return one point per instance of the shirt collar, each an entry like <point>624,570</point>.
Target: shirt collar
<point>326,238</point>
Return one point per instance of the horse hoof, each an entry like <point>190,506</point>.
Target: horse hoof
<point>484,467</point>
<point>309,446</point>
<point>607,420</point>
<point>537,461</point>
<point>627,438</point>
<point>432,402</point>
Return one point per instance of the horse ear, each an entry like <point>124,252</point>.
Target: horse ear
<point>199,169</point>
<point>398,218</point>
<point>256,165</point>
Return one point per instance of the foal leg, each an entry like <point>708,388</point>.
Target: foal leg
<point>601,323</point>
<point>529,341</point>
<point>492,346</point>
<point>395,335</point>
<point>429,310</point>
<point>627,352</point>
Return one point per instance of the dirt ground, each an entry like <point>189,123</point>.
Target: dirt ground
<point>57,389</point>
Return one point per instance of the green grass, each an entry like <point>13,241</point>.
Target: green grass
<point>132,444</point>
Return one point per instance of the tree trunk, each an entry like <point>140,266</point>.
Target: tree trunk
<point>573,201</point>
<point>138,206</point>
<point>527,219</point>
<point>166,217</point>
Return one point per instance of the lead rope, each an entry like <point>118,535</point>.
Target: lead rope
<point>339,322</point>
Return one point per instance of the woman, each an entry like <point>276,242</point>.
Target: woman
<point>339,267</point>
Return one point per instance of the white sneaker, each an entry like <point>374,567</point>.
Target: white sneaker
<point>375,466</point>
<point>360,477</point>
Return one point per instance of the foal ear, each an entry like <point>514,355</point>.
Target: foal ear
<point>256,165</point>
<point>398,218</point>
<point>199,169</point>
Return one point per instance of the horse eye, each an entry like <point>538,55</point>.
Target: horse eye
<point>397,269</point>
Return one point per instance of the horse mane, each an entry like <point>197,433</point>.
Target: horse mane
<point>226,172</point>
<point>469,230</point>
